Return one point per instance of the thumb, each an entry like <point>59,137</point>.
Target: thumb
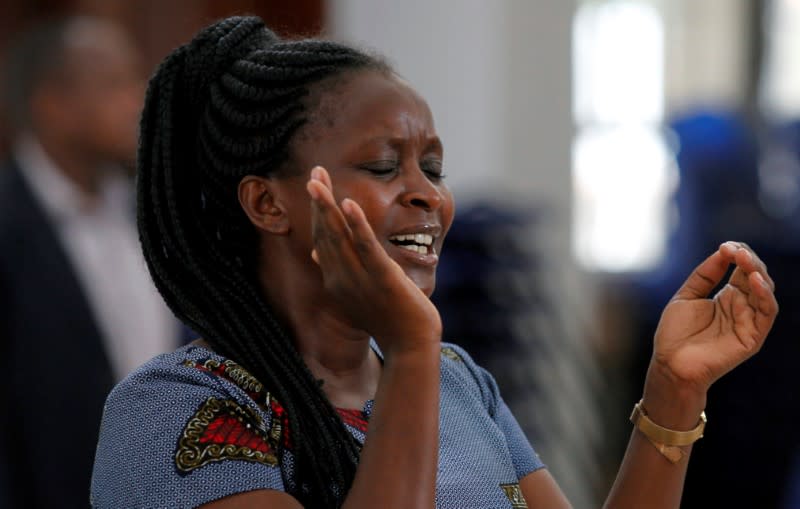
<point>705,276</point>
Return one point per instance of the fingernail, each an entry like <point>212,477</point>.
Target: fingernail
<point>347,206</point>
<point>312,191</point>
<point>315,172</point>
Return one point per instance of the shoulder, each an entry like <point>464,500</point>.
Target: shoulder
<point>454,352</point>
<point>471,393</point>
<point>460,371</point>
<point>189,422</point>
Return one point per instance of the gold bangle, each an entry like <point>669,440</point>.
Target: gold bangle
<point>667,441</point>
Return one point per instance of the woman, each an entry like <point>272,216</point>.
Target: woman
<point>321,379</point>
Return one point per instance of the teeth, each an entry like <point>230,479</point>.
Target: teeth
<point>422,239</point>
<point>416,248</point>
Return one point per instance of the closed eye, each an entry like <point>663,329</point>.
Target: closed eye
<point>433,169</point>
<point>380,168</point>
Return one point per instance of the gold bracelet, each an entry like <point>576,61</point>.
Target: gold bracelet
<point>667,441</point>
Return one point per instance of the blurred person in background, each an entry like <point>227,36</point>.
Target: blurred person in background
<point>79,309</point>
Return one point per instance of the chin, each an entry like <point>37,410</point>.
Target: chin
<point>426,284</point>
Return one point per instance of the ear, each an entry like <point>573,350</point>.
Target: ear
<point>259,200</point>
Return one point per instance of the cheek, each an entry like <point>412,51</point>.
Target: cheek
<point>299,210</point>
<point>376,204</point>
<point>377,210</point>
<point>448,209</point>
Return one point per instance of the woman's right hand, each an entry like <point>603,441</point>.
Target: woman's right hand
<point>371,289</point>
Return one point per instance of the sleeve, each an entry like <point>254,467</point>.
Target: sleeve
<point>173,436</point>
<point>523,455</point>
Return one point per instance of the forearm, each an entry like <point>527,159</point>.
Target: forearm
<point>399,459</point>
<point>647,478</point>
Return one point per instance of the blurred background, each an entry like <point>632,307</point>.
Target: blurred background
<point>597,150</point>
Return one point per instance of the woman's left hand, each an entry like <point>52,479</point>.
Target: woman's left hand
<point>699,339</point>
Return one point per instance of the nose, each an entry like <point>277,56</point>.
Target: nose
<point>420,191</point>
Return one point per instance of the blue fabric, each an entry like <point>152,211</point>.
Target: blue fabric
<point>481,446</point>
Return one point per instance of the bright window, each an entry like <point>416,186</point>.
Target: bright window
<point>623,170</point>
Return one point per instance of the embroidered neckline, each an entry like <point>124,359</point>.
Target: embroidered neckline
<point>233,372</point>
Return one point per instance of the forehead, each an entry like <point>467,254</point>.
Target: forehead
<point>368,105</point>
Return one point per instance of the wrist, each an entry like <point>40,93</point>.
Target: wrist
<point>668,442</point>
<point>403,351</point>
<point>670,402</point>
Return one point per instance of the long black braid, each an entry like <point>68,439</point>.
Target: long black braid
<point>221,107</point>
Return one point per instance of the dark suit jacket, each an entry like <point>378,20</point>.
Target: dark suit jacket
<point>55,374</point>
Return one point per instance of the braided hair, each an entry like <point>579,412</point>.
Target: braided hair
<point>224,106</point>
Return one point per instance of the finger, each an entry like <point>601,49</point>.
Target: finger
<point>744,257</point>
<point>321,174</point>
<point>329,229</point>
<point>744,267</point>
<point>747,262</point>
<point>755,312</point>
<point>762,300</point>
<point>369,249</point>
<point>706,276</point>
<point>325,213</point>
<point>328,226</point>
<point>752,263</point>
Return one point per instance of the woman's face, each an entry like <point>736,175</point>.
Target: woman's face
<point>376,138</point>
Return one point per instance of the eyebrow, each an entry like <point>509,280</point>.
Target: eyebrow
<point>433,142</point>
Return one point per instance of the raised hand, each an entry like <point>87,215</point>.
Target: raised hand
<point>372,290</point>
<point>699,339</point>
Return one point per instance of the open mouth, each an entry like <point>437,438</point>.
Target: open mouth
<point>417,242</point>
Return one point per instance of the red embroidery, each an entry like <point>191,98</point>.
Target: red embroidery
<point>223,430</point>
<point>354,418</point>
<point>279,432</point>
<point>227,429</point>
<point>229,370</point>
<point>279,416</point>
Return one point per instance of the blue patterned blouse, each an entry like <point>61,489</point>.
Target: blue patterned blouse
<point>191,427</point>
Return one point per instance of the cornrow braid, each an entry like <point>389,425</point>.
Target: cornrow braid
<point>217,109</point>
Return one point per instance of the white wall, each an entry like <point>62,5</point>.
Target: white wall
<point>497,78</point>
<point>445,50</point>
<point>707,52</point>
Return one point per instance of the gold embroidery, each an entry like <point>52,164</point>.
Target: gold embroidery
<point>514,494</point>
<point>196,450</point>
<point>276,430</point>
<point>233,371</point>
<point>211,365</point>
<point>242,377</point>
<point>451,354</point>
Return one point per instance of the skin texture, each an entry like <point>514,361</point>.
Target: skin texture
<point>86,115</point>
<point>336,279</point>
